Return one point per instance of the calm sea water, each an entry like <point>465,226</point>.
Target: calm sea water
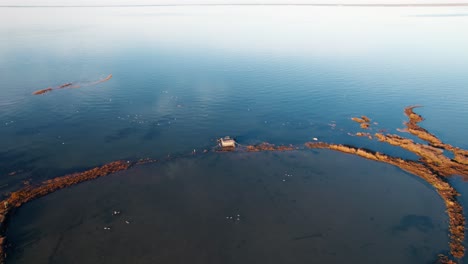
<point>244,208</point>
<point>184,76</point>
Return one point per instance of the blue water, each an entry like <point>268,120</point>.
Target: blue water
<point>184,76</point>
<point>293,207</point>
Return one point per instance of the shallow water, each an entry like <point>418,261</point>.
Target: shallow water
<point>295,207</point>
<point>184,76</point>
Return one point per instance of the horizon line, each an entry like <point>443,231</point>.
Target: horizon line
<point>253,4</point>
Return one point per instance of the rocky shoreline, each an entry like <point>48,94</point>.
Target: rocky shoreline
<point>28,193</point>
<point>71,85</point>
<point>433,166</point>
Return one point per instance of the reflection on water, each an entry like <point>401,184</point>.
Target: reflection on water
<point>293,207</point>
<point>181,81</point>
<point>184,76</point>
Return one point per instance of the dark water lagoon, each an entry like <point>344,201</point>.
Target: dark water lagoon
<point>292,207</point>
<point>184,76</point>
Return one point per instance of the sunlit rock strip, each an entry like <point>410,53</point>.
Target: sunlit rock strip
<point>71,85</point>
<point>364,121</point>
<point>433,166</point>
<point>28,193</point>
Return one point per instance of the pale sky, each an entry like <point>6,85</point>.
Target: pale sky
<point>149,2</point>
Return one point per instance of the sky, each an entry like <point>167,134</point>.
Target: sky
<point>149,2</point>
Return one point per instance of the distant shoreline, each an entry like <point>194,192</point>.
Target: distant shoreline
<point>298,4</point>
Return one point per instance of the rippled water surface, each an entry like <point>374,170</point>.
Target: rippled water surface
<point>184,76</point>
